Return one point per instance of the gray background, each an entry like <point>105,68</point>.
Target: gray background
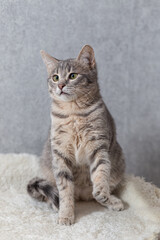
<point>126,39</point>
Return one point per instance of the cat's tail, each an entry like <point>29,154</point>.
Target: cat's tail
<point>43,190</point>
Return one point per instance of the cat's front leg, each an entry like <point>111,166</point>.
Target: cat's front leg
<point>65,185</point>
<point>100,174</point>
<point>100,169</point>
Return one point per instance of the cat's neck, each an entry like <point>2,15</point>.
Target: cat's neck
<point>81,103</point>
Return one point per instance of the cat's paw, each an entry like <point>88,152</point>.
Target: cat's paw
<point>66,220</point>
<point>101,194</point>
<point>115,203</point>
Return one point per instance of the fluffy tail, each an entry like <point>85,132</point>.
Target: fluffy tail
<point>43,190</point>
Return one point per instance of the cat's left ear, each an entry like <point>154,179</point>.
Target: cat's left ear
<point>49,61</point>
<point>86,56</point>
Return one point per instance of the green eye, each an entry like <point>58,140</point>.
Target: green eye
<point>55,78</point>
<point>73,75</point>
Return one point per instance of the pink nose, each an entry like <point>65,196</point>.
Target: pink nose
<point>61,86</point>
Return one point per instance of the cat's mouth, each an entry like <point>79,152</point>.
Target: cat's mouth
<point>63,93</point>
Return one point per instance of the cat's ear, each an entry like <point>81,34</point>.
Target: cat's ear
<point>86,56</point>
<point>49,61</point>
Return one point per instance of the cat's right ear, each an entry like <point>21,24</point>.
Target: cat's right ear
<point>49,61</point>
<point>86,56</point>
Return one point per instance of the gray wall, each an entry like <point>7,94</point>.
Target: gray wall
<point>126,39</point>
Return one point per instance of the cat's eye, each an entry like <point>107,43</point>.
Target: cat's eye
<point>73,76</point>
<point>55,78</point>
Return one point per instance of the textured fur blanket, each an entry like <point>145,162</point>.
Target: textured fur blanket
<point>24,218</point>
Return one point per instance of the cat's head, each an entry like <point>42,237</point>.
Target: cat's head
<point>71,79</point>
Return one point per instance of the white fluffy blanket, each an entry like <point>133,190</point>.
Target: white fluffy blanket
<point>22,218</point>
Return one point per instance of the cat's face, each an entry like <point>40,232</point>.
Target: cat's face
<point>71,79</point>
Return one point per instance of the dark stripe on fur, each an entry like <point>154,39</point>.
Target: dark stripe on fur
<point>102,161</point>
<point>102,147</point>
<point>58,127</point>
<point>65,175</point>
<point>61,131</point>
<point>59,154</point>
<point>101,137</point>
<point>95,119</point>
<point>104,200</point>
<point>88,113</point>
<point>59,115</point>
<point>86,126</point>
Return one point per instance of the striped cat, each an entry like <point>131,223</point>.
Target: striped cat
<point>82,159</point>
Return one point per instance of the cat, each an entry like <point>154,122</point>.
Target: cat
<point>82,159</point>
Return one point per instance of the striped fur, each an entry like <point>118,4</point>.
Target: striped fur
<point>82,158</point>
<point>43,191</point>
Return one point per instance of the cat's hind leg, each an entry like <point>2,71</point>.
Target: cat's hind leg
<point>43,190</point>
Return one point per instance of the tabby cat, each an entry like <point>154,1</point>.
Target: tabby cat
<point>81,159</point>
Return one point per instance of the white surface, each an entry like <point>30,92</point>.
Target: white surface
<point>23,218</point>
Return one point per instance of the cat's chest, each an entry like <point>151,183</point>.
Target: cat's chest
<point>71,129</point>
<point>71,134</point>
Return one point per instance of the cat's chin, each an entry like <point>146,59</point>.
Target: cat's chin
<point>65,97</point>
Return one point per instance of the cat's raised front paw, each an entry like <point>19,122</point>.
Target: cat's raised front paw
<point>100,194</point>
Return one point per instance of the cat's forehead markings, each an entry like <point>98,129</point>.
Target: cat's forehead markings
<point>64,66</point>
<point>68,66</point>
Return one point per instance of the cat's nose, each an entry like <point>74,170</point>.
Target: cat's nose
<point>61,86</point>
